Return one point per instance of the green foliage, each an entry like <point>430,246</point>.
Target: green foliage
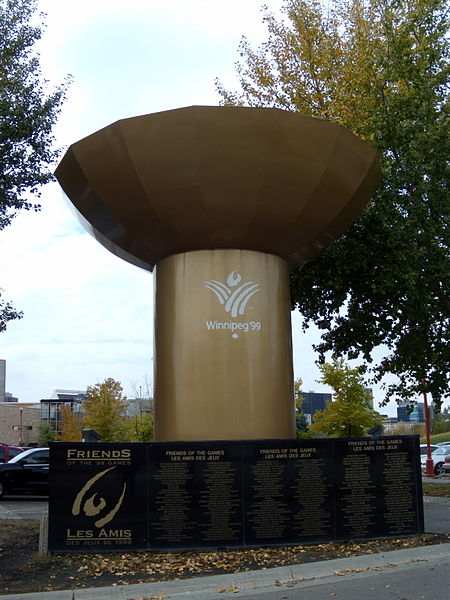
<point>104,410</point>
<point>7,313</point>
<point>139,423</point>
<point>379,68</point>
<point>139,428</point>
<point>350,414</point>
<point>437,438</point>
<point>45,434</point>
<point>301,424</point>
<point>440,422</point>
<point>28,113</point>
<point>298,394</point>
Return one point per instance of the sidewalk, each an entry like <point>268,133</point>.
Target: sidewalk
<point>219,587</point>
<point>436,479</point>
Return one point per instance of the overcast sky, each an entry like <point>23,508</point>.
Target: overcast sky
<point>87,314</point>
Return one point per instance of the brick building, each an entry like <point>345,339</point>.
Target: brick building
<point>19,423</point>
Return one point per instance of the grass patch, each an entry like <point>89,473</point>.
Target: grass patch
<point>441,490</point>
<point>437,438</point>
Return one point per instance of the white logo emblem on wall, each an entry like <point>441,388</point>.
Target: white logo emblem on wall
<point>234,299</point>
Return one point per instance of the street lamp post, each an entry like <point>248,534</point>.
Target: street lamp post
<point>429,465</point>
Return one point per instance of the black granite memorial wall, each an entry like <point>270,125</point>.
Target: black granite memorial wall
<point>116,497</point>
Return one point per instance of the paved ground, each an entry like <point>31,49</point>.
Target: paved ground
<point>23,507</point>
<point>436,514</point>
<point>412,574</point>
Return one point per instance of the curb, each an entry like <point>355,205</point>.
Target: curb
<point>215,587</point>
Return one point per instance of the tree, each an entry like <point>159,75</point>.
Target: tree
<point>301,424</point>
<point>143,394</point>
<point>139,425</point>
<point>350,414</point>
<point>379,68</point>
<point>7,312</point>
<point>139,428</point>
<point>45,434</point>
<point>70,426</point>
<point>441,422</point>
<point>104,410</point>
<point>28,112</point>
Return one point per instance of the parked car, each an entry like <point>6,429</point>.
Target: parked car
<point>423,448</point>
<point>26,473</point>
<point>439,455</point>
<point>442,443</point>
<point>7,452</point>
<point>446,466</point>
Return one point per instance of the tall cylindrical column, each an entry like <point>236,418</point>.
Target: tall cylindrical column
<point>223,356</point>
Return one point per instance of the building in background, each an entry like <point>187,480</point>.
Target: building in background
<point>19,423</point>
<point>2,379</point>
<point>4,395</point>
<point>411,412</point>
<point>51,407</point>
<point>312,402</point>
<point>371,396</point>
<point>138,406</point>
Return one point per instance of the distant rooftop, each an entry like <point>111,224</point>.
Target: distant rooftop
<point>60,394</point>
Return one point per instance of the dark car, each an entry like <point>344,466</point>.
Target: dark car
<point>8,452</point>
<point>25,473</point>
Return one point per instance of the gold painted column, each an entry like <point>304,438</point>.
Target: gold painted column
<point>222,200</point>
<point>223,368</point>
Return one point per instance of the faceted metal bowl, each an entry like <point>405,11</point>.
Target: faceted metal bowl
<point>208,177</point>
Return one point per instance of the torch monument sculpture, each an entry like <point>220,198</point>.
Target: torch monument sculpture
<point>222,201</point>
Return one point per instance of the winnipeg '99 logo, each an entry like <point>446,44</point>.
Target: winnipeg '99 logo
<point>91,503</point>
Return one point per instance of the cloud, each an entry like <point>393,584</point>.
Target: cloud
<point>138,57</point>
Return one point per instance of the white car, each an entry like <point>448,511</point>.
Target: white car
<point>439,455</point>
<point>423,448</point>
<point>446,465</point>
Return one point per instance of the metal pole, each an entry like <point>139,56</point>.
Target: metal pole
<point>429,466</point>
<point>21,427</point>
